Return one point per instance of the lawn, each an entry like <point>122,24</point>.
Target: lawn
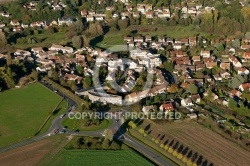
<point>23,111</point>
<point>47,40</point>
<point>76,124</point>
<point>98,157</point>
<point>116,38</point>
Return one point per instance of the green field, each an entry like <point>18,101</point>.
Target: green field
<point>77,124</point>
<point>61,109</point>
<point>116,38</point>
<point>23,111</point>
<point>47,40</point>
<point>98,157</point>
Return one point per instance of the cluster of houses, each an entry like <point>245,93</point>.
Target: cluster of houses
<point>147,11</point>
<point>147,42</point>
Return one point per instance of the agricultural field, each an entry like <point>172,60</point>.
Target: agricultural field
<point>35,153</point>
<point>98,157</point>
<point>23,111</point>
<point>198,143</point>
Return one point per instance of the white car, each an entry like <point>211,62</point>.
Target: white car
<point>62,116</point>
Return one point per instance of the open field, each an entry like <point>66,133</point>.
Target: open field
<point>59,110</point>
<point>34,153</point>
<point>199,143</point>
<point>23,111</point>
<point>98,157</point>
<point>76,124</point>
<point>47,40</point>
<point>116,38</point>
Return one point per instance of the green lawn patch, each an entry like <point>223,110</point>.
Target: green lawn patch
<point>99,157</point>
<point>23,111</point>
<point>47,40</point>
<point>76,124</point>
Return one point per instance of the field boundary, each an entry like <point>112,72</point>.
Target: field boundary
<point>47,119</point>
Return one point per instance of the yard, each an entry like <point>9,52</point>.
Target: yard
<point>98,157</point>
<point>23,111</point>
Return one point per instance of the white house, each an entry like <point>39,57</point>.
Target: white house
<point>186,102</point>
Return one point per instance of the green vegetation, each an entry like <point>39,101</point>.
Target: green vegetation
<point>59,110</point>
<point>114,38</point>
<point>79,124</point>
<point>98,157</point>
<point>154,146</point>
<point>45,38</point>
<point>23,111</point>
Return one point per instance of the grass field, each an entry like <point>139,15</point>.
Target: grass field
<point>98,157</point>
<point>199,143</point>
<point>47,40</point>
<point>60,110</point>
<point>76,124</point>
<point>116,38</point>
<point>23,111</point>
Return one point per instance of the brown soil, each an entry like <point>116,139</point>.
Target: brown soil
<point>31,154</point>
<point>202,143</point>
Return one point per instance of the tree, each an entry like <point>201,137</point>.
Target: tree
<point>3,40</point>
<point>108,134</point>
<point>87,82</point>
<point>105,144</point>
<point>236,43</point>
<point>108,14</point>
<point>51,30</point>
<point>132,124</point>
<point>85,41</point>
<point>34,75</point>
<point>141,131</point>
<point>77,42</point>
<point>123,23</point>
<point>192,88</point>
<point>114,145</point>
<point>168,66</point>
<point>170,150</point>
<point>173,88</point>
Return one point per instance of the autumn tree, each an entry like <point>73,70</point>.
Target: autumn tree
<point>3,40</point>
<point>77,42</point>
<point>192,88</point>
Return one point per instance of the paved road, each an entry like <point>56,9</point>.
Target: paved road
<point>116,127</point>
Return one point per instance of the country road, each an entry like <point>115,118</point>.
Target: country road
<point>116,126</point>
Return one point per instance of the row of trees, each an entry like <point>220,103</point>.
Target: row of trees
<point>177,151</point>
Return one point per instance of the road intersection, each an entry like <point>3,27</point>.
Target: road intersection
<point>115,127</point>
